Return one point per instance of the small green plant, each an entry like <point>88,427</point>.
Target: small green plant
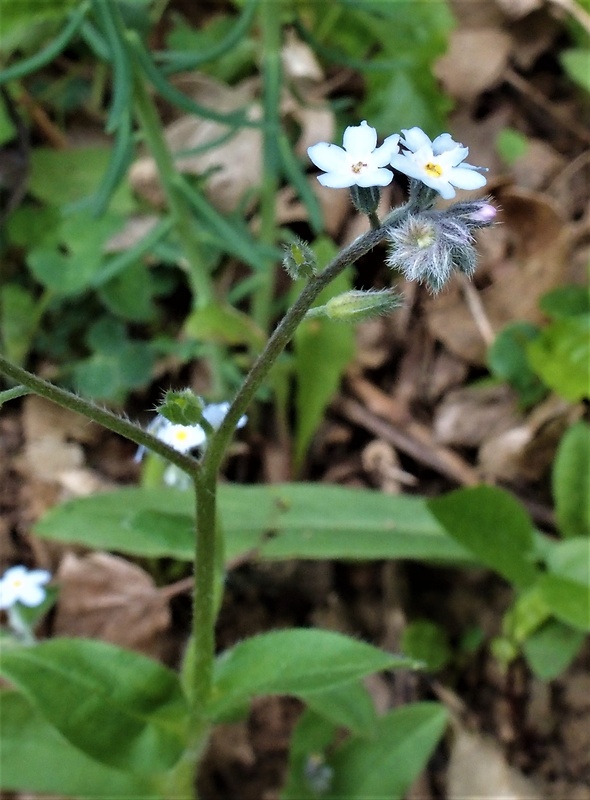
<point>550,615</point>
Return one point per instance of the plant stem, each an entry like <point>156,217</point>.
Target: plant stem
<point>12,394</point>
<point>270,25</point>
<point>219,442</point>
<point>102,416</point>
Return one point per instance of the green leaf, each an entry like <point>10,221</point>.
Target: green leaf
<point>18,321</point>
<point>154,523</point>
<point>282,521</point>
<point>493,526</point>
<point>427,642</point>
<point>130,293</point>
<point>323,349</point>
<point>551,649</point>
<point>349,705</point>
<point>384,767</point>
<point>59,177</point>
<point>576,63</point>
<point>571,559</point>
<point>224,324</point>
<point>35,758</point>
<point>571,481</point>
<point>568,600</point>
<point>20,14</point>
<point>118,707</point>
<point>507,359</point>
<point>296,662</point>
<point>511,145</point>
<point>561,354</point>
<point>566,301</point>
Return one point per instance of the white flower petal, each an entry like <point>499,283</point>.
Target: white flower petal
<point>452,158</point>
<point>32,595</point>
<point>464,178</point>
<point>337,180</point>
<point>359,139</point>
<point>443,187</point>
<point>376,177</point>
<point>443,143</point>
<point>383,153</point>
<point>327,156</point>
<point>407,165</point>
<point>415,138</point>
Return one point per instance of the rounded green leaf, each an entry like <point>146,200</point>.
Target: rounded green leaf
<point>493,526</point>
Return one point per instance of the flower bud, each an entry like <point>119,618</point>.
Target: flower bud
<point>357,305</point>
<point>182,407</point>
<point>477,214</point>
<point>420,251</point>
<point>299,260</point>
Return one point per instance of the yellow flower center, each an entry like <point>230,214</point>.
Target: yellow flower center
<point>356,168</point>
<point>181,436</point>
<point>435,170</point>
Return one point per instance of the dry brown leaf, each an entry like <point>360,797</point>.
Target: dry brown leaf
<point>538,165</point>
<point>466,417</point>
<point>106,597</point>
<point>474,62</point>
<point>300,64</point>
<point>527,450</point>
<point>40,418</point>
<point>477,769</point>
<point>235,165</point>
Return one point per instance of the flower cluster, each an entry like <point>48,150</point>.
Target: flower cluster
<point>439,164</point>
<point>188,437</point>
<point>426,245</point>
<point>21,585</point>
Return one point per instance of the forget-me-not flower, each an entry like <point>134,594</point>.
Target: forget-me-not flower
<point>188,437</point>
<point>438,164</point>
<point>359,162</point>
<point>22,585</point>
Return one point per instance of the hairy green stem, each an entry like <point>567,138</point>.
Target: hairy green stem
<point>277,343</point>
<point>102,416</point>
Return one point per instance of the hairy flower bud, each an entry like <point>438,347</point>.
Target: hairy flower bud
<point>358,305</point>
<point>427,248</point>
<point>476,214</point>
<point>182,407</point>
<point>420,252</point>
<point>299,260</point>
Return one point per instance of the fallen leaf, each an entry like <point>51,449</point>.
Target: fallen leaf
<point>468,416</point>
<point>478,769</point>
<point>474,62</point>
<point>105,597</point>
<point>234,165</point>
<point>535,259</point>
<point>527,450</point>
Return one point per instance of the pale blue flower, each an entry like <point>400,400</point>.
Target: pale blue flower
<point>22,585</point>
<point>438,164</point>
<point>188,437</point>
